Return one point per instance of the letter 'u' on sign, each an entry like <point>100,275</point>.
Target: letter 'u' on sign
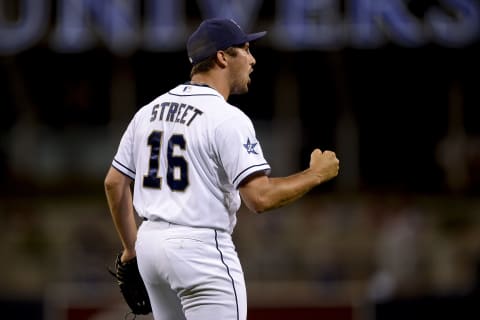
<point>29,26</point>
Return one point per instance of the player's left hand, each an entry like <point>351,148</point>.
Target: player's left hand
<point>131,285</point>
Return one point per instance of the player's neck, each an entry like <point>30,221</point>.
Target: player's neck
<point>212,82</point>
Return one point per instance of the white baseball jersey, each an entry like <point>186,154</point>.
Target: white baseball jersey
<point>188,150</point>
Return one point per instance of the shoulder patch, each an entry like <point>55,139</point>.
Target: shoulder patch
<point>250,147</point>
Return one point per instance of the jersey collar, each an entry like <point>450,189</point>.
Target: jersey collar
<point>194,89</point>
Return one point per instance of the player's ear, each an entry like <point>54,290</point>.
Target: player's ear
<point>221,58</point>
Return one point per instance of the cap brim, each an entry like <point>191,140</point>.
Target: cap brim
<point>255,36</point>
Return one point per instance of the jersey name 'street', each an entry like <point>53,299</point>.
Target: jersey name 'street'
<point>181,113</point>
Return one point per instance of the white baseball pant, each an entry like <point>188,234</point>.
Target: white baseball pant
<point>191,273</point>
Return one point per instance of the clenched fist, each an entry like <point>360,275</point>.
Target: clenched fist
<point>324,165</point>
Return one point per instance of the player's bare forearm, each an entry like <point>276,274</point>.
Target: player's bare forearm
<point>261,193</point>
<point>119,198</point>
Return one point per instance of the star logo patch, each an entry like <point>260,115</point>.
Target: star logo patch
<point>250,146</point>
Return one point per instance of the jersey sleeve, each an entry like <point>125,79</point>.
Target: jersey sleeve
<point>124,159</point>
<point>239,150</point>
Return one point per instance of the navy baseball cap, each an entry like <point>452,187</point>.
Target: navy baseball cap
<point>216,34</point>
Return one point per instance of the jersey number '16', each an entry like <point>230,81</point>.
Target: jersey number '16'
<point>152,180</point>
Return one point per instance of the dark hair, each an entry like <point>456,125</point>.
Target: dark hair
<point>209,63</point>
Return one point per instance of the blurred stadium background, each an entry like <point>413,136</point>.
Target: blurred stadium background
<point>391,85</point>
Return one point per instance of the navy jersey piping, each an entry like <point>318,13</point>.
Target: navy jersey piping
<point>194,95</point>
<point>257,165</point>
<point>123,166</point>
<point>228,272</point>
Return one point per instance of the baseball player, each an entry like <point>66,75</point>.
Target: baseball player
<point>192,157</point>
